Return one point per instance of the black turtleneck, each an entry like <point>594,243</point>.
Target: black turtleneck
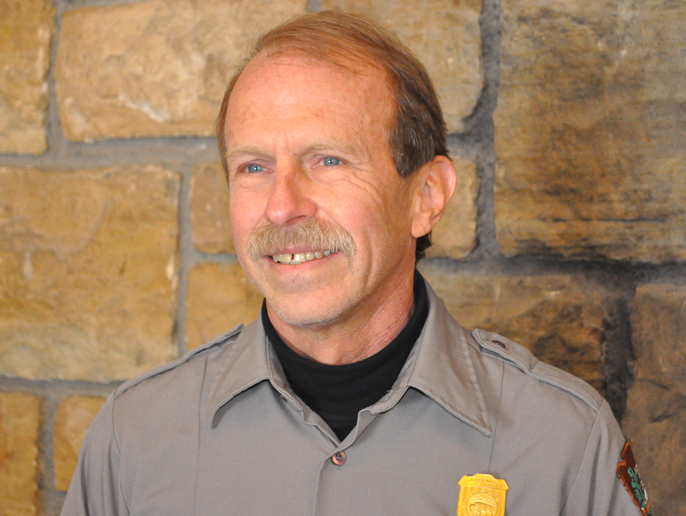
<point>338,392</point>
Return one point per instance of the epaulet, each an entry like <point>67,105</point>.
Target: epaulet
<point>218,341</point>
<point>523,359</point>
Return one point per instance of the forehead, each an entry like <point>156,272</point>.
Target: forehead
<point>285,85</point>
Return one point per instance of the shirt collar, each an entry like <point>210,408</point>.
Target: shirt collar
<point>440,366</point>
<point>244,363</point>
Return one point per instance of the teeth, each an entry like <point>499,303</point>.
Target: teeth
<point>283,258</point>
<point>298,258</point>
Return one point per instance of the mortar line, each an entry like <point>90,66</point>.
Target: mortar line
<point>55,137</point>
<point>489,23</point>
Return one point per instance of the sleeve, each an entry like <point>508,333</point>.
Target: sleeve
<point>94,488</point>
<point>598,489</point>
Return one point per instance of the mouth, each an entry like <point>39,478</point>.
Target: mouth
<point>298,258</point>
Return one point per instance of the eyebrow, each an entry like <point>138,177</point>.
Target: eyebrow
<point>331,143</point>
<point>242,151</point>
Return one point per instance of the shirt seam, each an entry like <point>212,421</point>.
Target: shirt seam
<point>568,389</point>
<point>497,415</point>
<point>200,430</point>
<point>576,478</point>
<point>472,376</point>
<point>224,339</point>
<point>116,443</point>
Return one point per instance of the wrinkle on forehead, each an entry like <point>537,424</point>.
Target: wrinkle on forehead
<point>373,81</point>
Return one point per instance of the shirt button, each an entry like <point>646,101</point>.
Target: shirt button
<point>339,458</point>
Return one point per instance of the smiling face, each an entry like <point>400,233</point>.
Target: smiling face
<point>321,220</point>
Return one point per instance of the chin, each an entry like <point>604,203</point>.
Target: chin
<point>302,316</point>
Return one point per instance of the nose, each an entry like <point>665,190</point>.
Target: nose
<point>290,200</point>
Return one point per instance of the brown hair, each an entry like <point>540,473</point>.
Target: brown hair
<point>418,134</point>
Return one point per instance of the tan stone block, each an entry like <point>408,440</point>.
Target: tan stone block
<point>20,417</point>
<point>444,35</point>
<point>210,210</point>
<point>658,328</point>
<point>219,297</point>
<point>589,130</point>
<point>455,233</point>
<point>26,30</point>
<point>557,317</point>
<point>655,419</point>
<point>154,68</point>
<point>87,272</point>
<point>74,417</point>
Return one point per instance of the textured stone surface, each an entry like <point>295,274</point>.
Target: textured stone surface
<point>445,36</point>
<point>20,416</point>
<point>590,127</point>
<point>74,417</point>
<point>210,210</point>
<point>655,420</point>
<point>455,233</point>
<point>219,297</point>
<point>558,317</point>
<point>154,68</point>
<point>658,327</point>
<point>26,28</point>
<point>87,272</point>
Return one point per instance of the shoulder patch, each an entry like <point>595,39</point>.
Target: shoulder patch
<point>523,359</point>
<point>627,471</point>
<point>217,341</point>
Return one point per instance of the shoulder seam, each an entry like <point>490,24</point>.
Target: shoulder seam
<point>594,405</point>
<point>221,339</point>
<point>529,371</point>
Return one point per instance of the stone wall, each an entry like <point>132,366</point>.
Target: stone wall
<point>567,233</point>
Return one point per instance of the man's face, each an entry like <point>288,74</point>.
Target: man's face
<point>307,146</point>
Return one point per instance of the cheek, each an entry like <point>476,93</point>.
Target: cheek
<point>382,222</point>
<point>398,207</point>
<point>241,216</point>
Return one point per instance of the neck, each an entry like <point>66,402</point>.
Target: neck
<point>356,335</point>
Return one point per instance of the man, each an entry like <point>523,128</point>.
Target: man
<point>355,392</point>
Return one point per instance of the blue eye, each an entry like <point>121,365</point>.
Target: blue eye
<point>331,162</point>
<point>254,168</point>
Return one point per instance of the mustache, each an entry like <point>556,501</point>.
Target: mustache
<point>315,235</point>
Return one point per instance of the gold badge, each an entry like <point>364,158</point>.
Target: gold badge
<point>482,495</point>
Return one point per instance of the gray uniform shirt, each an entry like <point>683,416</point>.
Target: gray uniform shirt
<point>219,432</point>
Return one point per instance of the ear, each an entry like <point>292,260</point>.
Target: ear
<point>435,187</point>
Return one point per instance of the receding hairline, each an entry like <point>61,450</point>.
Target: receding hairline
<point>350,42</point>
<point>334,36</point>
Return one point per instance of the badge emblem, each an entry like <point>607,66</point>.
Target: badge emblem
<point>628,472</point>
<point>481,495</point>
